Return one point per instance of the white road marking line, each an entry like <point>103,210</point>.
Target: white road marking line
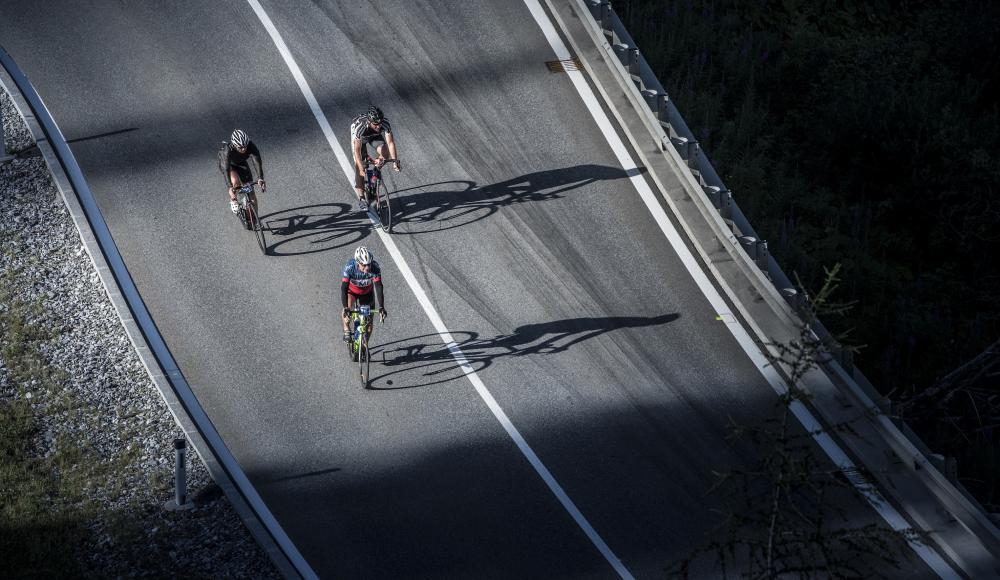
<point>432,313</point>
<point>836,454</point>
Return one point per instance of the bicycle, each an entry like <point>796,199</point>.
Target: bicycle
<point>248,214</point>
<point>377,193</point>
<point>359,323</point>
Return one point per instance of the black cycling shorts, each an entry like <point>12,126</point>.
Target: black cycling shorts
<point>243,171</point>
<point>364,299</point>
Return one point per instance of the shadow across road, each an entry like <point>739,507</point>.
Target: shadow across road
<point>314,228</point>
<point>450,204</point>
<point>428,353</point>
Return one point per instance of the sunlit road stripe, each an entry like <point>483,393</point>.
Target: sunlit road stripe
<point>836,454</point>
<point>432,313</point>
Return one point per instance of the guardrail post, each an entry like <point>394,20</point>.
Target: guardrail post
<point>694,157</point>
<point>662,113</point>
<point>951,469</point>
<point>651,97</point>
<point>726,205</point>
<point>604,17</point>
<point>621,51</point>
<point>794,298</point>
<point>761,256</point>
<point>633,63</point>
<point>180,501</point>
<point>684,146</point>
<point>946,465</point>
<point>712,193</point>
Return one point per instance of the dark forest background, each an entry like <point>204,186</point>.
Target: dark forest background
<point>865,134</point>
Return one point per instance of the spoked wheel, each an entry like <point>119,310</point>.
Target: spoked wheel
<point>244,212</point>
<point>364,361</point>
<point>384,207</point>
<point>351,346</point>
<point>258,227</point>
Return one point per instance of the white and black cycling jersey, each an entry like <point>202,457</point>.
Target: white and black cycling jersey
<point>362,131</point>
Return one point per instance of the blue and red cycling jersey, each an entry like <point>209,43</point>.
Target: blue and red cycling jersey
<point>361,282</point>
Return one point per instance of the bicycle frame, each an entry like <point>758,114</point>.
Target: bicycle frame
<point>361,315</point>
<point>244,198</point>
<point>373,174</point>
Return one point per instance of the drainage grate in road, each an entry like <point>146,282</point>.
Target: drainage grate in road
<point>569,64</point>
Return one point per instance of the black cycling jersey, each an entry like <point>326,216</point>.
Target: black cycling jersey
<point>242,162</point>
<point>362,131</point>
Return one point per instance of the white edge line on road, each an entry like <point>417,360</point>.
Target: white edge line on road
<point>836,454</point>
<point>432,313</point>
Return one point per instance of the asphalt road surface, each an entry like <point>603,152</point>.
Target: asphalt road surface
<point>519,225</point>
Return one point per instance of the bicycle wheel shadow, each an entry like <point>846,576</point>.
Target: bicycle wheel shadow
<point>428,354</point>
<point>314,228</point>
<point>450,204</point>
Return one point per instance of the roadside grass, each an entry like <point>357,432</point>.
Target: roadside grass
<point>47,484</point>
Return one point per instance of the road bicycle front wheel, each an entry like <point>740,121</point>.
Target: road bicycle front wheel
<point>384,207</point>
<point>258,228</point>
<point>242,212</point>
<point>364,361</point>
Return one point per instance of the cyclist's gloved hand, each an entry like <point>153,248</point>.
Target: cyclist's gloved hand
<point>396,165</point>
<point>263,185</point>
<point>382,314</point>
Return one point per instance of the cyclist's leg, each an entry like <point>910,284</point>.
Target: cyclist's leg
<point>359,182</point>
<point>359,185</point>
<point>234,181</point>
<point>351,299</point>
<point>383,151</point>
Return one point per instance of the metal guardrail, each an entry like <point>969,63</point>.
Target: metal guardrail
<point>679,136</point>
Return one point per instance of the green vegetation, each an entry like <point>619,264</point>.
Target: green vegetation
<point>865,134</point>
<point>45,500</point>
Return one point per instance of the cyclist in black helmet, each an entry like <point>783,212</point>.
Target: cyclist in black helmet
<point>370,128</point>
<point>236,161</point>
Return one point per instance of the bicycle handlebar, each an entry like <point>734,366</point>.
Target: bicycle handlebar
<point>371,312</point>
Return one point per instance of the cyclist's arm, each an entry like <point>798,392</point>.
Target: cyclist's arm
<point>255,161</point>
<point>343,293</point>
<point>391,142</point>
<point>379,294</point>
<point>356,146</point>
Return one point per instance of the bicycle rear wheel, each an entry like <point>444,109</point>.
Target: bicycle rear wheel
<point>384,207</point>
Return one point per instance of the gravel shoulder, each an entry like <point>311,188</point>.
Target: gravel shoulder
<point>87,454</point>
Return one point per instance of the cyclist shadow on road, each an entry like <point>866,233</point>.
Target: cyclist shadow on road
<point>314,228</point>
<point>450,204</point>
<point>428,353</point>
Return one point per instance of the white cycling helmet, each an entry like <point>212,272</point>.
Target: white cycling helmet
<point>363,256</point>
<point>239,139</point>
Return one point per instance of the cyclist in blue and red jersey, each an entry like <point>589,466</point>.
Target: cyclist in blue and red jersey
<point>360,283</point>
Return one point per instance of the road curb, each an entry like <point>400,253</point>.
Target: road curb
<point>141,329</point>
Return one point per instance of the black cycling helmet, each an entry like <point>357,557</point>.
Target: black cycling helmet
<point>375,114</point>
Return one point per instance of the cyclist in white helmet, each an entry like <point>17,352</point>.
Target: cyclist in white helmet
<point>236,161</point>
<point>360,283</point>
<point>370,128</point>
